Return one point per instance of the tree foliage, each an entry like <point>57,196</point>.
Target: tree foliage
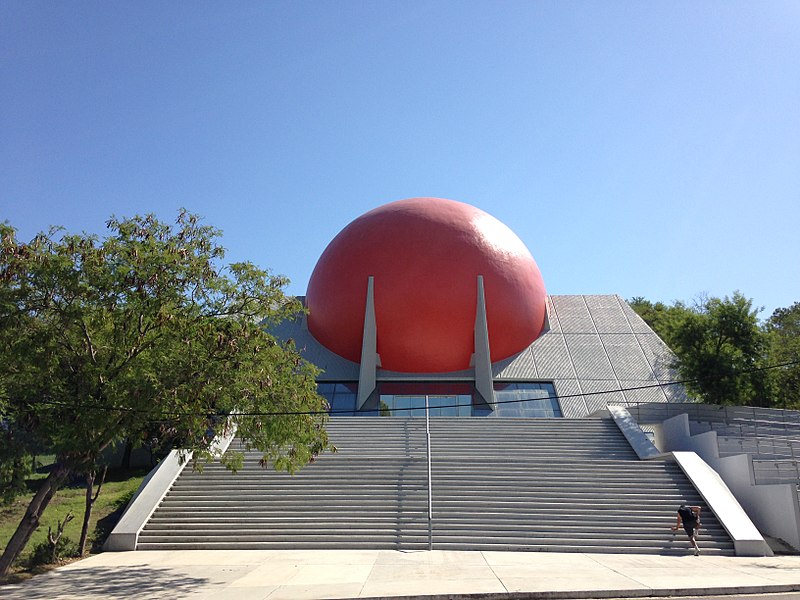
<point>16,463</point>
<point>145,331</point>
<point>726,353</point>
<point>659,316</point>
<point>783,344</point>
<point>720,349</point>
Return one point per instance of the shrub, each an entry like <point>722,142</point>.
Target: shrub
<point>44,553</point>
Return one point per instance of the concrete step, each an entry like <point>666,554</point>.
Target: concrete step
<point>522,484</point>
<point>580,546</point>
<point>491,488</point>
<point>497,519</point>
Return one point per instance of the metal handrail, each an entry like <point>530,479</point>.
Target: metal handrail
<point>776,471</point>
<point>430,478</point>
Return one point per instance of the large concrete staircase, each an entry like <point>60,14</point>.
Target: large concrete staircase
<point>498,484</point>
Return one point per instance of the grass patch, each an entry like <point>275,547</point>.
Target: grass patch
<point>117,491</point>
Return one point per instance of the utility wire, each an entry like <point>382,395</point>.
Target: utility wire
<point>176,414</point>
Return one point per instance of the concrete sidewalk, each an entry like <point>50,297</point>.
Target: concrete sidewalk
<point>296,575</point>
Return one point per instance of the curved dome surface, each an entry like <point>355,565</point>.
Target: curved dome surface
<point>425,255</point>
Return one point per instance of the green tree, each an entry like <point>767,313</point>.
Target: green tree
<point>102,339</point>
<point>783,338</point>
<point>659,316</point>
<point>719,345</point>
<point>16,463</point>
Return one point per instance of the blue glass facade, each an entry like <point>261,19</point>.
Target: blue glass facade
<point>456,399</point>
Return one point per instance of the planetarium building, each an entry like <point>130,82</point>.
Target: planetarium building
<point>469,409</point>
<point>432,297</point>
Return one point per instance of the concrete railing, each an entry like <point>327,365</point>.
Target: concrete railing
<point>150,494</point>
<point>640,443</point>
<point>746,538</point>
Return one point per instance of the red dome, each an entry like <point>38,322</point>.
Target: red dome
<point>425,255</point>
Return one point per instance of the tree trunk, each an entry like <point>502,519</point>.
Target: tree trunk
<point>30,521</point>
<point>90,500</point>
<point>125,462</point>
<point>54,539</point>
<point>87,513</point>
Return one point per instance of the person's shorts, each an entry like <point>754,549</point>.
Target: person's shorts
<point>690,528</point>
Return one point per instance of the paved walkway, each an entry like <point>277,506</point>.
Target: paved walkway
<point>296,575</point>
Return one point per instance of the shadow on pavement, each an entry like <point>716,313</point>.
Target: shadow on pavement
<point>106,582</point>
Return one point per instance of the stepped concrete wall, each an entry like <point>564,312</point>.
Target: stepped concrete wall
<point>774,509</point>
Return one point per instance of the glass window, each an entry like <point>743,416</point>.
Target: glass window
<point>341,397</point>
<point>526,399</point>
<point>445,399</point>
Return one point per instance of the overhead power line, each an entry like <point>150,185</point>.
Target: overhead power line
<point>172,415</point>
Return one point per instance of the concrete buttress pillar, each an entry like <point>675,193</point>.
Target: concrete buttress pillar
<point>482,358</point>
<point>369,349</point>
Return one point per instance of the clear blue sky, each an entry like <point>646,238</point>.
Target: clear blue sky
<point>639,148</point>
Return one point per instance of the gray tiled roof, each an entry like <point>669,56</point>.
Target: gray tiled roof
<point>611,348</point>
<point>334,367</point>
